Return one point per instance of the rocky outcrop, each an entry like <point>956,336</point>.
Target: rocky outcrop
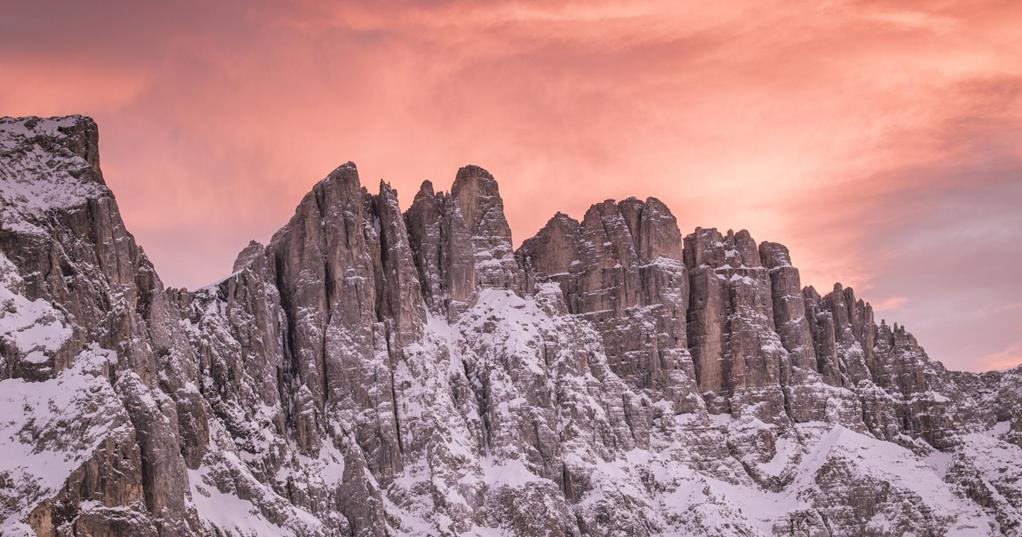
<point>478,199</point>
<point>371,372</point>
<point>71,256</point>
<point>444,251</point>
<point>621,269</point>
<point>738,355</point>
<point>789,307</point>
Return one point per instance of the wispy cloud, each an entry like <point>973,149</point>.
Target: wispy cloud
<point>1000,360</point>
<point>880,140</point>
<point>893,303</point>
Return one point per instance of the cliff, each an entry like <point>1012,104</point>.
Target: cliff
<point>370,372</point>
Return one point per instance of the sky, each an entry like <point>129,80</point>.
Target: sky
<point>880,141</point>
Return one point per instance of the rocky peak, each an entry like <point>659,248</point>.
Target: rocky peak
<point>424,220</point>
<point>478,199</point>
<point>708,247</point>
<point>400,287</point>
<point>247,255</point>
<point>554,250</point>
<point>48,166</point>
<point>659,236</point>
<point>444,251</point>
<point>78,135</point>
<point>461,241</point>
<point>774,255</point>
<point>620,269</point>
<point>425,190</point>
<point>111,338</point>
<point>374,373</point>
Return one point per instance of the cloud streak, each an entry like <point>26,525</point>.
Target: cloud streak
<point>879,140</point>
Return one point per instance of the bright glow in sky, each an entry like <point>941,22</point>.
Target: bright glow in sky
<point>881,141</point>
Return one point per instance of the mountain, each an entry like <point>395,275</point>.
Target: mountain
<point>370,372</point>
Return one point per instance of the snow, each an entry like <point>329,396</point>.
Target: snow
<point>869,458</point>
<point>508,472</point>
<point>34,327</point>
<point>1000,429</point>
<point>227,511</point>
<point>34,180</point>
<point>219,506</point>
<point>698,500</point>
<point>929,396</point>
<point>510,320</point>
<point>50,428</point>
<point>721,420</point>
<point>14,130</point>
<point>664,263</point>
<point>785,451</point>
<point>940,462</point>
<point>740,278</point>
<point>996,463</point>
<point>12,528</point>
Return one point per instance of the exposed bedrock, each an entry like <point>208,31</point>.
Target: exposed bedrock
<point>621,269</point>
<point>375,372</point>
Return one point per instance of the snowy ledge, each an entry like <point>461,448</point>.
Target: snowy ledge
<point>41,169</point>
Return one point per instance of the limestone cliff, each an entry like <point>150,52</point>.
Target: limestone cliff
<point>370,372</point>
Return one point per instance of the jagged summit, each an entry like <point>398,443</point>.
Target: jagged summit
<point>78,134</point>
<point>426,189</point>
<point>370,372</point>
<point>247,255</point>
<point>47,164</point>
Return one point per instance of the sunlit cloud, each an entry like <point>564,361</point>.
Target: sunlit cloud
<point>881,141</point>
<point>45,86</point>
<point>889,304</point>
<point>1000,360</point>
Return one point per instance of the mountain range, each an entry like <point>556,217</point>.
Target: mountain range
<point>373,372</point>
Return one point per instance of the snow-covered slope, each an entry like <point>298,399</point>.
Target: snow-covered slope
<point>371,372</point>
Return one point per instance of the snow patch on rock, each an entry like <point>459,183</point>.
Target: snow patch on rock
<point>48,429</point>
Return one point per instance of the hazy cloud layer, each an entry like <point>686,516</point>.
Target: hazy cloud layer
<point>881,141</point>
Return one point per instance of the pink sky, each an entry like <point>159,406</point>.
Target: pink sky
<point>881,141</point>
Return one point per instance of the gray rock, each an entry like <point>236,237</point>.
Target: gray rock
<point>373,373</point>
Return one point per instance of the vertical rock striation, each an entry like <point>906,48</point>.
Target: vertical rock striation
<point>738,355</point>
<point>370,372</point>
<point>621,269</point>
<point>65,246</point>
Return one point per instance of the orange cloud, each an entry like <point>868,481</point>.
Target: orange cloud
<point>45,86</point>
<point>1001,360</point>
<point>889,304</point>
<point>866,135</point>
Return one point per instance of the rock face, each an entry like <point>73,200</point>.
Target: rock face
<point>621,269</point>
<point>737,352</point>
<point>370,372</point>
